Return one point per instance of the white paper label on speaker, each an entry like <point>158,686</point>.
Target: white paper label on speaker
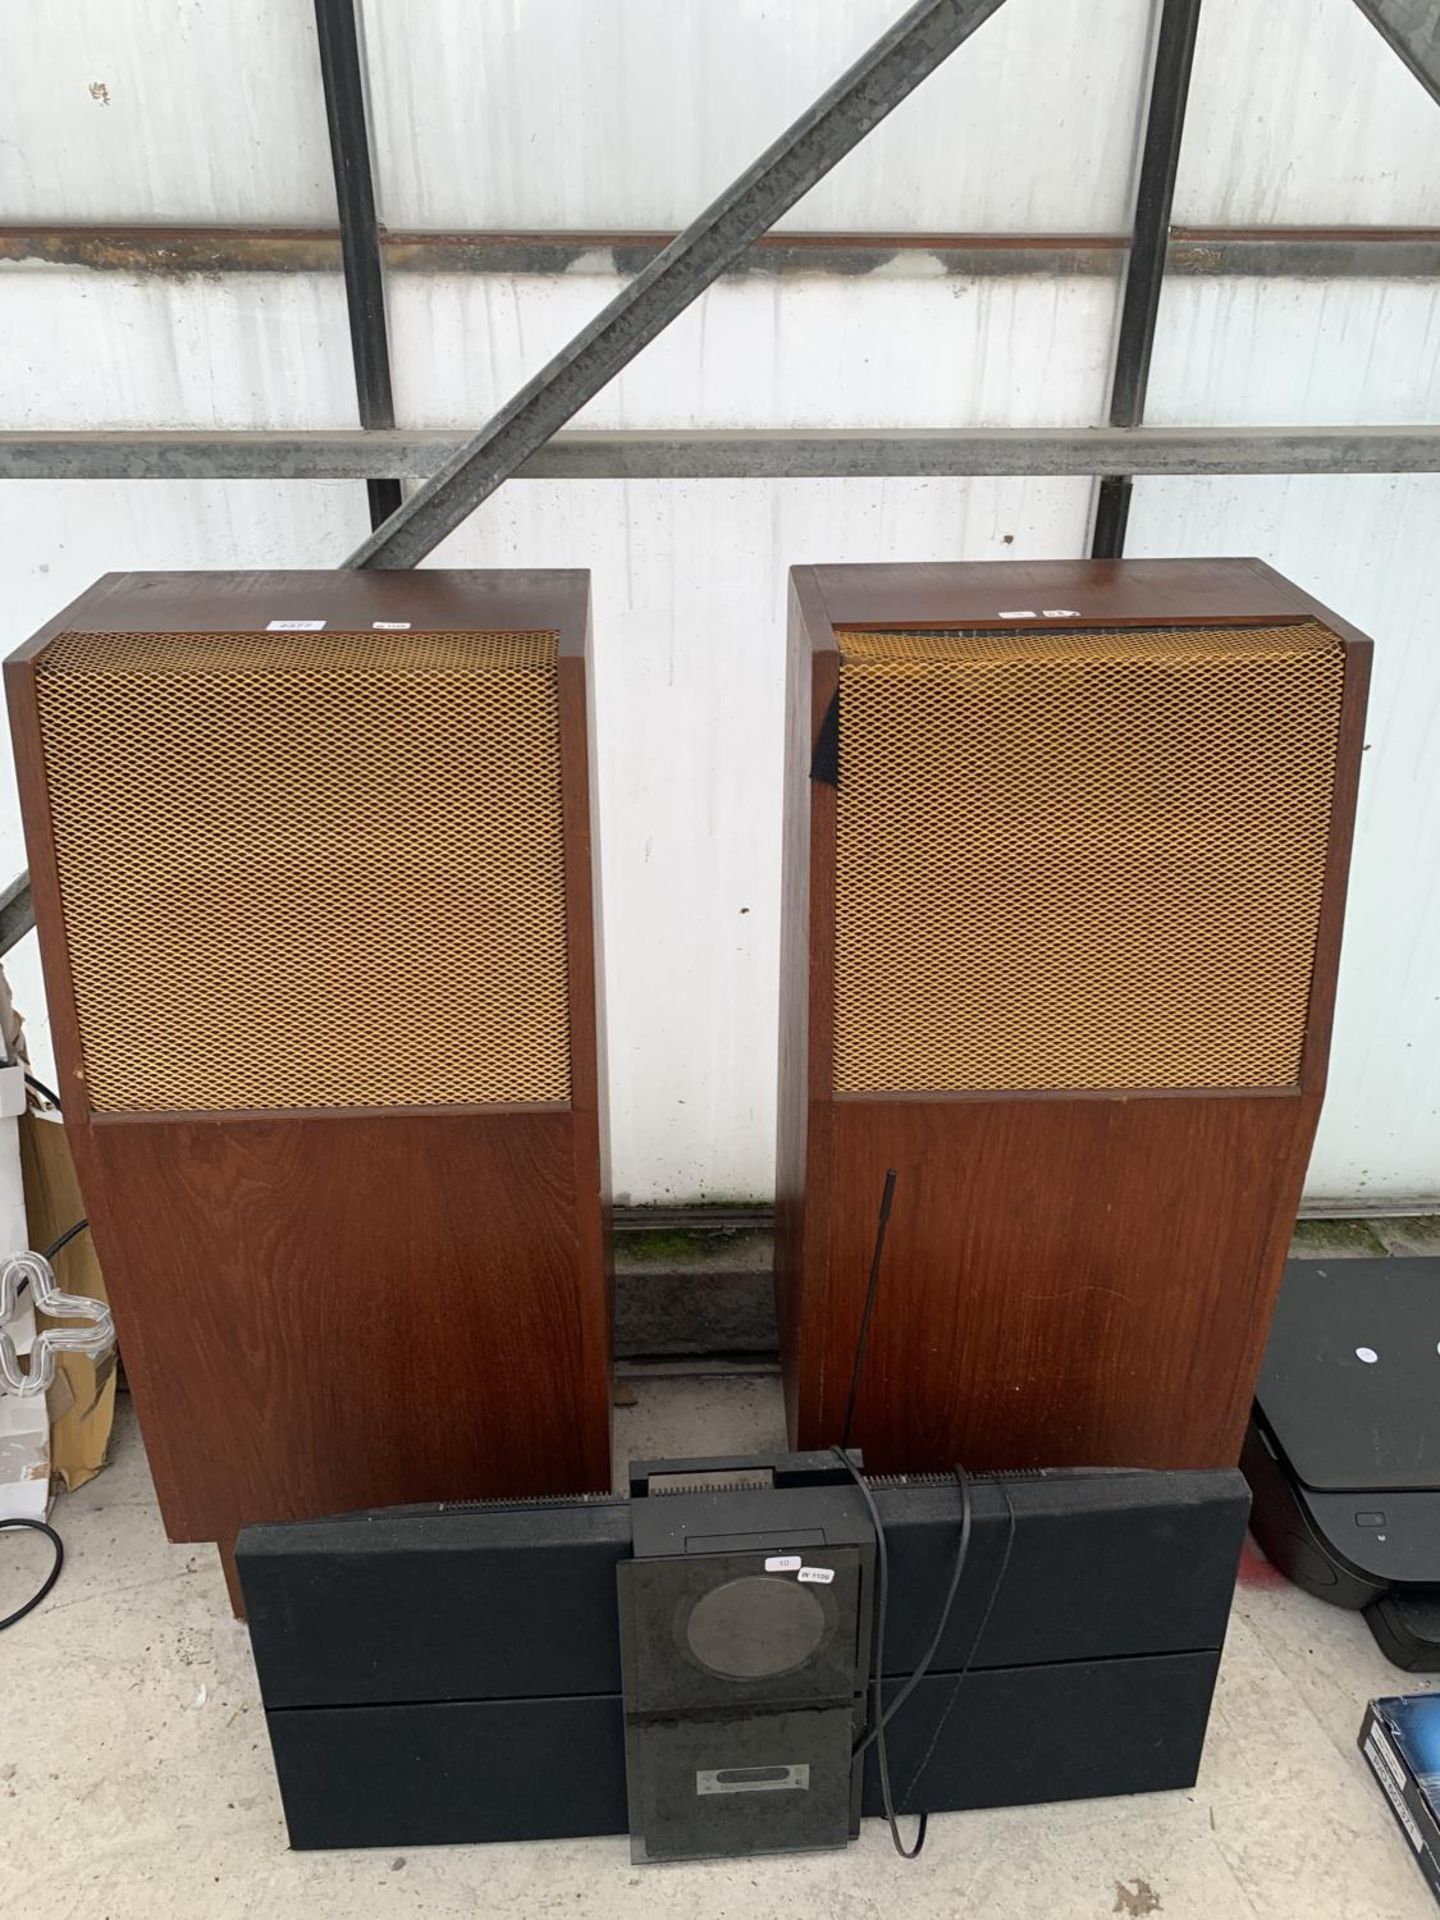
<point>293,626</point>
<point>784,1563</point>
<point>1017,613</point>
<point>1061,613</point>
<point>390,626</point>
<point>817,1576</point>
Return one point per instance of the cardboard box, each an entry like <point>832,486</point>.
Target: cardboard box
<point>1401,1740</point>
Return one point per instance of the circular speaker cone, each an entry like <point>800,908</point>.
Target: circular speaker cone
<point>755,1627</point>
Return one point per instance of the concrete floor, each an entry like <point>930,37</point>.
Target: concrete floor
<point>135,1774</point>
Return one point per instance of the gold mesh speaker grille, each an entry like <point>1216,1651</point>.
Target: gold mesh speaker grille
<point>1083,860</point>
<point>310,869</point>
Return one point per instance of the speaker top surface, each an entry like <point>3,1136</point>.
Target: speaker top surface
<point>1039,593</point>
<point>1351,1382</point>
<point>429,599</point>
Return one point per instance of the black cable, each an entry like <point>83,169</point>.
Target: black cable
<point>46,1093</point>
<point>65,1238</point>
<point>54,1248</point>
<point>995,1587</point>
<point>966,1513</point>
<point>882,1556</point>
<point>863,1340</point>
<point>882,1597</point>
<point>883,1715</point>
<point>35,1526</point>
<point>923,1664</point>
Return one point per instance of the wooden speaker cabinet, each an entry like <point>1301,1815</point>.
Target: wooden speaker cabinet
<point>312,867</point>
<point>1065,860</point>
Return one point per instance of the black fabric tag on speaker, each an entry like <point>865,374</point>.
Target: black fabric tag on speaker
<point>825,761</point>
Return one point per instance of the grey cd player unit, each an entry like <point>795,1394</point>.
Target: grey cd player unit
<point>745,1634</point>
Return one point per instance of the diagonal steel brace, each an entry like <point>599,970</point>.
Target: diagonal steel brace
<point>858,101</point>
<point>1412,28</point>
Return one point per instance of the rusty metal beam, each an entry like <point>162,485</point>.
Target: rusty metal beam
<point>180,253</point>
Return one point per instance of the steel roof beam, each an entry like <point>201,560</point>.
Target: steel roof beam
<point>345,453</point>
<point>1149,241</point>
<point>342,75</point>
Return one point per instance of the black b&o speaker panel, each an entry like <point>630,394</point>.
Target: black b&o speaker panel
<point>459,1673</point>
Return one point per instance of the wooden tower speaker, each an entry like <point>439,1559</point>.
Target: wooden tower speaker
<point>1065,860</point>
<point>312,867</point>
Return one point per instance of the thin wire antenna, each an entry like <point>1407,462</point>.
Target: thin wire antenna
<point>864,1340</point>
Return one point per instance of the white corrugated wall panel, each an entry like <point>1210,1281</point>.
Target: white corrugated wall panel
<point>1243,352</point>
<point>1300,115</point>
<point>163,110</point>
<point>636,113</point>
<point>86,349</point>
<point>909,349</point>
<point>1367,548</point>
